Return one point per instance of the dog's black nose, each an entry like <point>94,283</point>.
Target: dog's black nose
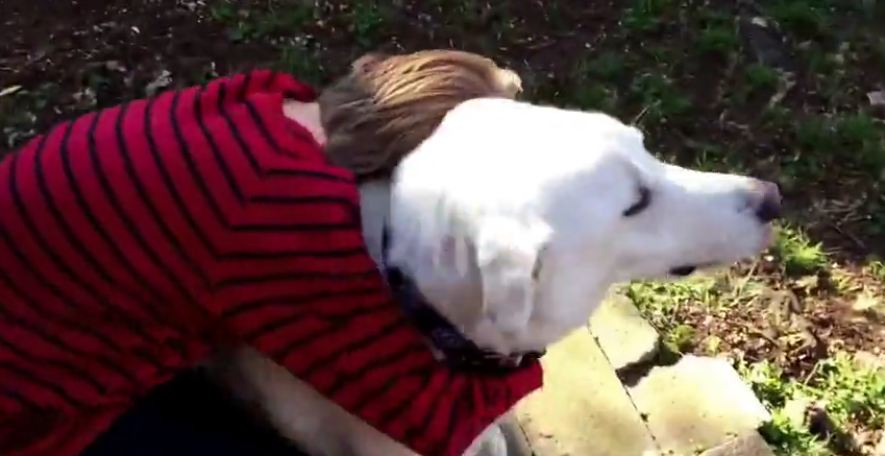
<point>769,205</point>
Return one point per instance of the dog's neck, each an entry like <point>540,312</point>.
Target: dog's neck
<point>440,326</point>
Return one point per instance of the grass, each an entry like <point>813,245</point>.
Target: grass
<point>798,254</point>
<point>806,19</point>
<point>367,20</point>
<point>876,268</point>
<point>594,97</point>
<point>250,25</point>
<point>761,77</point>
<point>607,66</point>
<point>863,137</point>
<point>647,15</point>
<point>660,303</point>
<point>300,59</point>
<point>660,98</point>
<point>852,396</point>
<point>852,139</point>
<point>718,37</point>
<point>712,157</point>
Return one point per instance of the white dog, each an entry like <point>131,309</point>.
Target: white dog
<point>513,220</point>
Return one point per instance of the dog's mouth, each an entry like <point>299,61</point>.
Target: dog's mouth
<point>688,269</point>
<point>682,271</point>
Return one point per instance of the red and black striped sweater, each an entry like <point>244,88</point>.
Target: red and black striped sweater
<point>135,240</point>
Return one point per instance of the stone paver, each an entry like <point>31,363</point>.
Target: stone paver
<point>582,410</point>
<point>751,444</point>
<point>625,337</point>
<point>698,403</point>
<point>867,360</point>
<point>880,448</point>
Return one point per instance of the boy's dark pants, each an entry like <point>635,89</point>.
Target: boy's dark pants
<point>189,416</point>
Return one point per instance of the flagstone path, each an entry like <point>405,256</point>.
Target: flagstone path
<point>698,405</point>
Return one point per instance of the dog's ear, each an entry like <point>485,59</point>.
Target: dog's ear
<point>507,255</point>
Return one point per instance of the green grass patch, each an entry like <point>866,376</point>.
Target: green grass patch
<point>816,134</point>
<point>662,297</point>
<point>820,63</point>
<point>761,77</point>
<point>253,24</point>
<point>661,303</point>
<point>592,82</point>
<point>368,20</point>
<point>608,66</point>
<point>806,19</point>
<point>852,396</point>
<point>302,60</point>
<point>876,268</point>
<point>714,157</point>
<point>856,139</point>
<point>594,97</point>
<point>647,15</point>
<point>719,38</point>
<point>776,117</point>
<point>797,253</point>
<point>860,135</point>
<point>659,97</point>
<point>681,339</point>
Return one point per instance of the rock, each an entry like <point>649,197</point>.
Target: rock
<point>162,81</point>
<point>517,442</point>
<point>697,403</point>
<point>880,448</point>
<point>796,410</point>
<point>582,410</point>
<point>869,361</point>
<point>867,302</point>
<point>751,444</point>
<point>624,336</point>
<point>765,44</point>
<point>494,443</point>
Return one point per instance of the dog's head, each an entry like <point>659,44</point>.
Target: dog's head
<point>515,219</point>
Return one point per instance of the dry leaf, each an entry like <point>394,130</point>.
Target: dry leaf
<point>10,90</point>
<point>866,301</point>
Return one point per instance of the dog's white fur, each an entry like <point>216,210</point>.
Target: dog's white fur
<point>525,190</point>
<point>511,220</point>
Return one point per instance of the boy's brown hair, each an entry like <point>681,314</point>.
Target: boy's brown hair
<point>388,105</point>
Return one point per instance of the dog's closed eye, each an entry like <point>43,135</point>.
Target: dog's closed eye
<point>641,204</point>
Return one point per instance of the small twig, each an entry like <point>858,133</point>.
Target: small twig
<point>771,340</point>
<point>745,280</point>
<point>640,115</point>
<point>811,373</point>
<point>860,244</point>
<point>541,45</point>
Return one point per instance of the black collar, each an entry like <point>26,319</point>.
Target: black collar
<point>459,352</point>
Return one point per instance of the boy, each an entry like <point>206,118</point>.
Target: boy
<point>138,240</point>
